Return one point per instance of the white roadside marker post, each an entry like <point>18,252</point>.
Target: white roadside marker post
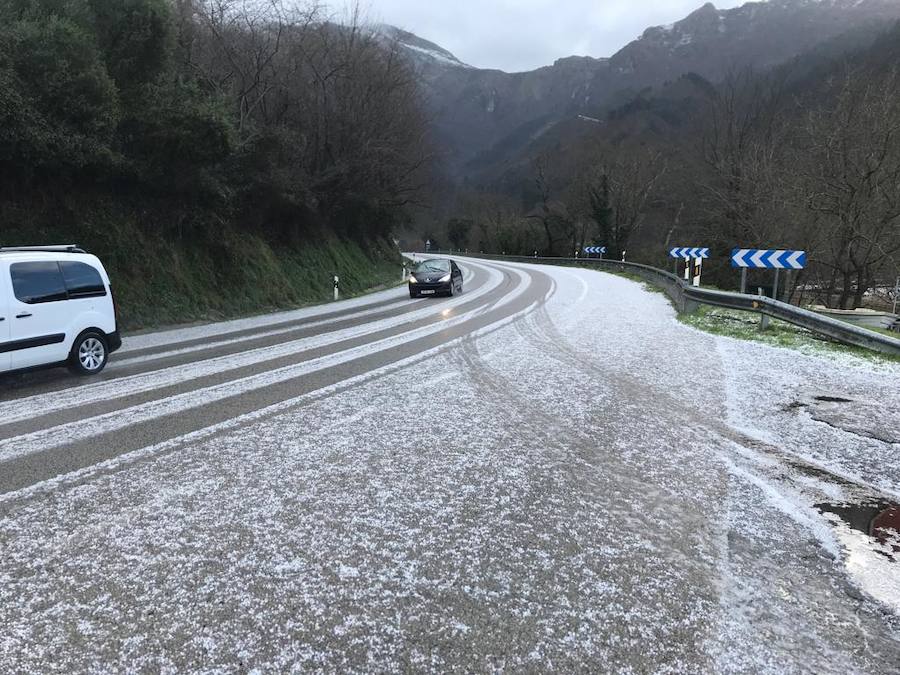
<point>896,295</point>
<point>698,270</point>
<point>763,317</point>
<point>623,256</point>
<point>687,269</point>
<point>337,290</point>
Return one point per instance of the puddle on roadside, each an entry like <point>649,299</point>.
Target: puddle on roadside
<point>878,520</point>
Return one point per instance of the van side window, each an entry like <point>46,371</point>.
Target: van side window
<point>36,282</point>
<point>82,281</point>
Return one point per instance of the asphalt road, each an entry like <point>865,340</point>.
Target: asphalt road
<point>547,472</point>
<point>55,424</point>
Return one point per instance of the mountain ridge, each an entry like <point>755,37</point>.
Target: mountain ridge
<point>476,110</point>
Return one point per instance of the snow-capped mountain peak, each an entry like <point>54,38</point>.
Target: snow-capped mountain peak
<point>420,50</point>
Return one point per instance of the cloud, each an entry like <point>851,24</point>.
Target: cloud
<point>516,35</point>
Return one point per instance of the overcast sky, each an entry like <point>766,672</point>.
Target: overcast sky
<point>516,35</point>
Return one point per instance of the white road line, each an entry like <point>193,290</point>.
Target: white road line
<point>25,408</point>
<point>176,335</point>
<point>46,439</point>
<point>156,356</point>
<point>213,330</point>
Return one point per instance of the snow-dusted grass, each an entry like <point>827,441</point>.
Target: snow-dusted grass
<point>746,326</point>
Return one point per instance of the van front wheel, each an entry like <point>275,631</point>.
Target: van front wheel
<point>89,354</point>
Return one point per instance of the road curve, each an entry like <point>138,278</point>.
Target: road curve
<point>165,386</point>
<point>546,473</point>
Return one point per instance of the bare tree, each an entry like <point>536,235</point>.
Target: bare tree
<point>853,182</point>
<point>621,183</point>
<point>745,135</point>
<point>552,213</point>
<point>329,108</point>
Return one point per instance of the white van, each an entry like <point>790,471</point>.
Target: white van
<point>56,308</point>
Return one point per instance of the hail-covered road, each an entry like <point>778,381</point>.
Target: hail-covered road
<point>548,472</point>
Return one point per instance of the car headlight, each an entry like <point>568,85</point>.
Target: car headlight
<point>445,278</point>
<point>413,280</point>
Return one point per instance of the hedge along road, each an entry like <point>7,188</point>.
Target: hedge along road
<point>548,472</point>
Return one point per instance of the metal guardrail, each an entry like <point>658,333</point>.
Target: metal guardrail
<point>688,298</point>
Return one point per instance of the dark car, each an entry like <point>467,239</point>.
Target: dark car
<point>435,277</point>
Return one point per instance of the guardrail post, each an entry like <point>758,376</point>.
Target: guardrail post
<point>689,306</point>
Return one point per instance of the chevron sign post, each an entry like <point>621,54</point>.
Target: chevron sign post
<point>689,253</point>
<point>766,259</point>
<point>595,250</point>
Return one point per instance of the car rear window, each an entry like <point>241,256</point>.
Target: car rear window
<point>82,281</point>
<point>36,282</point>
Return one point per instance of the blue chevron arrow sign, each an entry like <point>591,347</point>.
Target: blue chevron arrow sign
<point>689,253</point>
<point>768,259</point>
<point>595,249</point>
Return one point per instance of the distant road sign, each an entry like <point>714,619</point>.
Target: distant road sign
<point>595,249</point>
<point>768,259</point>
<point>689,253</point>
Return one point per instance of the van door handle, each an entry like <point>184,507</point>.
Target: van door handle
<point>25,315</point>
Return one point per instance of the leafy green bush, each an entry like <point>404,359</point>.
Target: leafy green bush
<point>58,106</point>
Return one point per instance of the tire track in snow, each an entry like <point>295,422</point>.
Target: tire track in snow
<point>118,460</point>
<point>43,405</point>
<point>74,432</point>
<point>174,348</point>
<point>164,350</point>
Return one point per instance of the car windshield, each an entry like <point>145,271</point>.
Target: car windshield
<point>433,266</point>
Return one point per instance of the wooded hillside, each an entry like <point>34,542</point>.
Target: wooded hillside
<point>221,156</point>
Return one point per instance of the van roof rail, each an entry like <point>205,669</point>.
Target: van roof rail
<point>55,248</point>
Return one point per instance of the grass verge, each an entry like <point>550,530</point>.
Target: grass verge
<point>745,326</point>
<point>184,283</point>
